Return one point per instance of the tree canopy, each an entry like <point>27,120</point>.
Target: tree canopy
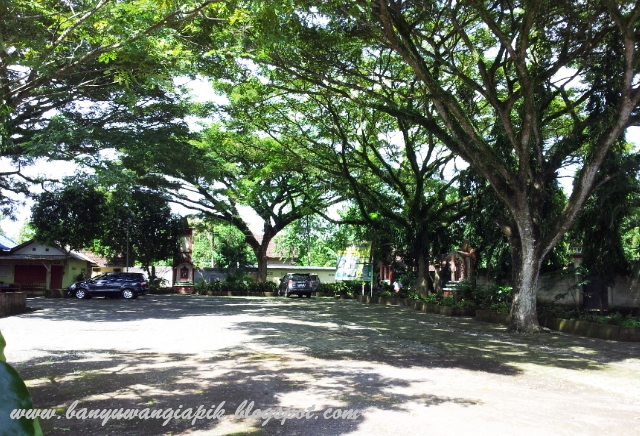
<point>518,90</point>
<point>521,91</point>
<point>127,225</point>
<point>69,217</point>
<point>78,77</point>
<point>225,171</point>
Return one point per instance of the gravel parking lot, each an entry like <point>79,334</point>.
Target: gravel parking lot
<point>343,367</point>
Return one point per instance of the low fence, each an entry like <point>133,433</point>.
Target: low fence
<point>578,328</point>
<point>12,303</point>
<point>624,294</point>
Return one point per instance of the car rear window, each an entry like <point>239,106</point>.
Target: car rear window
<point>299,276</point>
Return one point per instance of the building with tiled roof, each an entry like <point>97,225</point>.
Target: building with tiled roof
<point>32,266</point>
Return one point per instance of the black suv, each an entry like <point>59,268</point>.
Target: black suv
<point>295,283</point>
<point>115,284</point>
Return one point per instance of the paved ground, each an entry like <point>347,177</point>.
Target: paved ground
<point>407,373</point>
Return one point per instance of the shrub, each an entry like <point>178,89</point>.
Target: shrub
<point>551,310</point>
<point>433,298</point>
<point>494,297</point>
<point>157,283</point>
<point>615,318</point>
<point>263,287</point>
<point>347,288</point>
<point>326,288</point>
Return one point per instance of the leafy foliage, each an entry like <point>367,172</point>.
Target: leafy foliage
<point>123,221</point>
<point>220,245</point>
<point>79,77</point>
<point>71,216</point>
<point>600,226</point>
<point>14,395</point>
<point>140,224</point>
<point>226,171</point>
<point>485,80</point>
<point>612,318</point>
<point>314,241</point>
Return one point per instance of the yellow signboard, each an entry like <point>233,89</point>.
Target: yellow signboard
<point>353,262</point>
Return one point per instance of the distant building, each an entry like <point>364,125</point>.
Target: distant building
<point>34,267</point>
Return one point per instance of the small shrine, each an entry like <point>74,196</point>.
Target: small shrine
<point>456,266</point>
<point>184,270</point>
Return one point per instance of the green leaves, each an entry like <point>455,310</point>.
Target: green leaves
<point>14,395</point>
<point>69,217</point>
<point>78,77</point>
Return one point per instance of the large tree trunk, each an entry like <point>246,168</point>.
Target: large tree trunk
<point>421,248</point>
<point>524,316</point>
<point>526,262</point>
<point>261,255</point>
<point>259,247</point>
<point>422,276</point>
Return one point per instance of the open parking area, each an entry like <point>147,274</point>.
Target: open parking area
<point>397,371</point>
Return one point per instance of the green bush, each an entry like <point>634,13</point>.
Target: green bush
<point>501,307</point>
<point>494,297</point>
<point>326,288</point>
<point>432,298</point>
<point>615,318</point>
<point>440,300</point>
<point>157,283</point>
<point>346,288</point>
<point>466,304</point>
<point>551,310</point>
<point>263,287</point>
<point>202,287</point>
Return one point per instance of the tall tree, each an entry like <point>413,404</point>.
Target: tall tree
<point>76,77</point>
<point>69,217</point>
<point>229,177</point>
<point>220,245</point>
<point>129,225</point>
<point>311,240</point>
<point>391,168</point>
<point>600,225</point>
<point>139,227</point>
<point>507,87</point>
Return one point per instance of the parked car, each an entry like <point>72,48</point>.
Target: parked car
<point>295,283</point>
<point>112,285</point>
<point>315,282</point>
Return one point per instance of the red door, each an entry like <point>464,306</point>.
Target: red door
<point>56,277</point>
<point>30,274</point>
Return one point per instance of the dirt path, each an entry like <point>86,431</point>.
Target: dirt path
<point>406,373</point>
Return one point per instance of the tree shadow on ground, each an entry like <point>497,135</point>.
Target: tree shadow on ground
<point>287,352</point>
<point>472,344</point>
<point>105,379</point>
<point>437,340</point>
<point>144,308</point>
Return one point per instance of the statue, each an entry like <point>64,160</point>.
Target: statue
<point>469,255</point>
